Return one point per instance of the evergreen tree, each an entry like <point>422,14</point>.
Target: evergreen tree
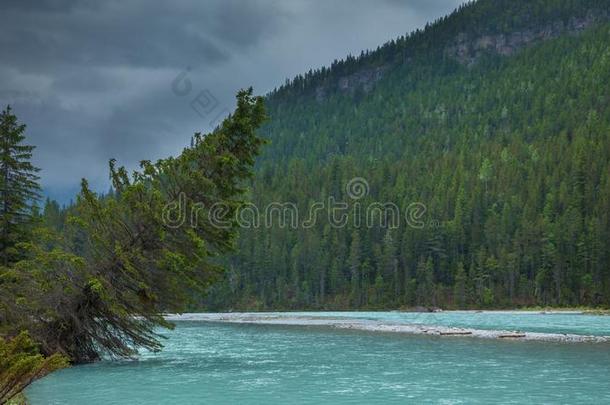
<point>460,287</point>
<point>19,189</point>
<point>389,266</point>
<point>355,263</point>
<point>21,364</point>
<point>102,285</point>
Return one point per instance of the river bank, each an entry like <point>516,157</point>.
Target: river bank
<point>560,326</point>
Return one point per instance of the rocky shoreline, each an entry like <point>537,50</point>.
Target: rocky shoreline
<point>386,327</point>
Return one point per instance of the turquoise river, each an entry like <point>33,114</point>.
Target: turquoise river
<point>216,362</point>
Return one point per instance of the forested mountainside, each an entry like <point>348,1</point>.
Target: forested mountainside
<point>494,121</point>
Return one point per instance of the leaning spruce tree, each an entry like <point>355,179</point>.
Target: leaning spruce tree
<point>101,287</point>
<point>18,187</point>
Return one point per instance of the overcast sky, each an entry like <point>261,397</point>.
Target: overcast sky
<point>95,80</point>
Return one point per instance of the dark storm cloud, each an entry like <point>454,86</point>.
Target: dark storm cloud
<point>93,80</point>
<point>47,5</point>
<point>136,33</point>
<point>428,8</point>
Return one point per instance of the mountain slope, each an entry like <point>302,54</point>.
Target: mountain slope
<point>496,119</point>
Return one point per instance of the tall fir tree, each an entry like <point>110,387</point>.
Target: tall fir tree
<point>19,188</point>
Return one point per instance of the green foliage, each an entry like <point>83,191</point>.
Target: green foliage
<point>21,364</point>
<point>18,187</point>
<point>510,155</point>
<point>99,277</point>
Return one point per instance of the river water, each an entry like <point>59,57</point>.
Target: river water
<point>213,362</point>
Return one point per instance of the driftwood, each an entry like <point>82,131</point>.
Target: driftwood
<point>456,333</point>
<point>512,336</point>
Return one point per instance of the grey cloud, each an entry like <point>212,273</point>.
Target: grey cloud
<point>46,5</point>
<point>93,79</point>
<point>136,33</point>
<point>427,7</point>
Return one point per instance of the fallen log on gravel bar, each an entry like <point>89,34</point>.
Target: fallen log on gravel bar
<point>456,333</point>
